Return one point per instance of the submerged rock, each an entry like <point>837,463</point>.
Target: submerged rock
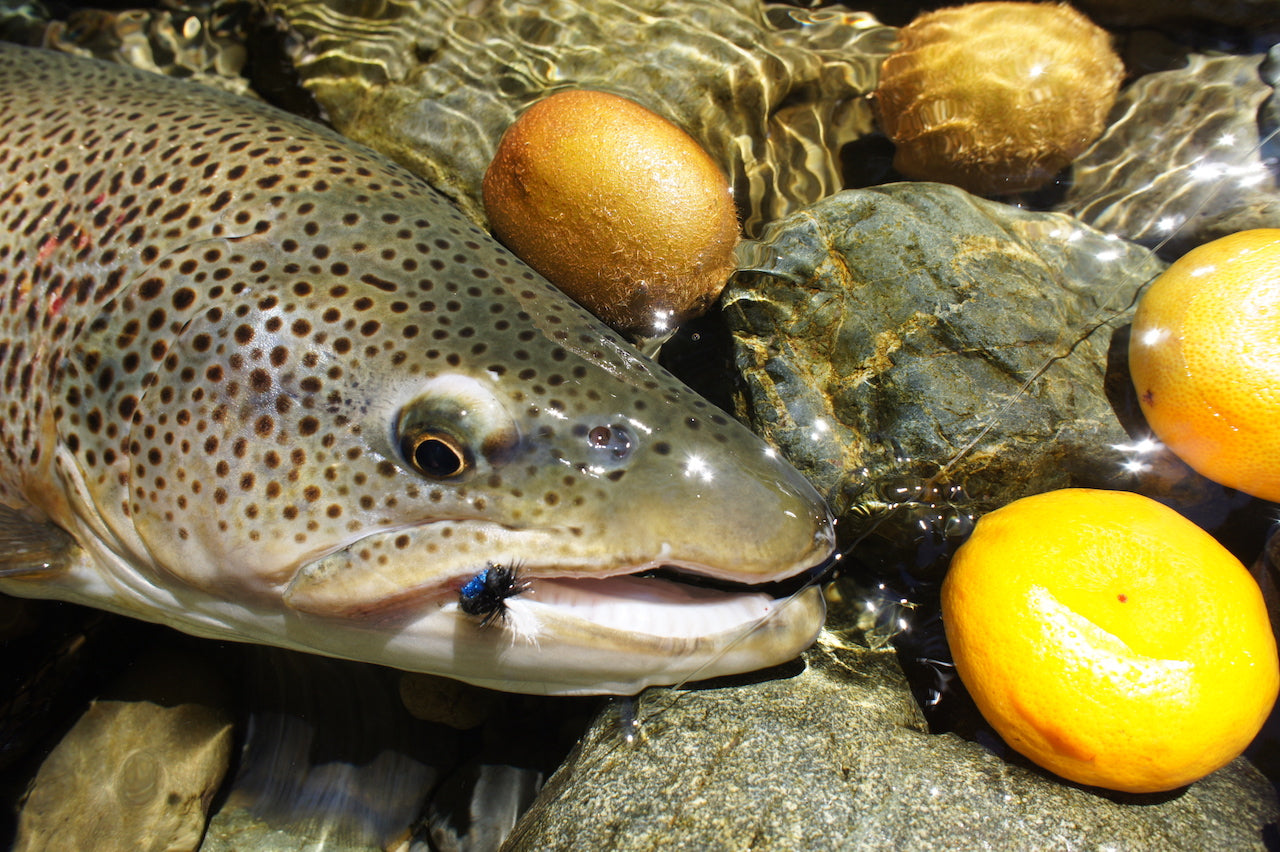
<point>1180,164</point>
<point>333,759</point>
<point>56,658</point>
<point>773,95</point>
<point>136,771</point>
<point>1264,752</point>
<point>330,759</point>
<point>459,705</point>
<point>477,807</point>
<point>1269,115</point>
<point>839,757</point>
<point>913,333</point>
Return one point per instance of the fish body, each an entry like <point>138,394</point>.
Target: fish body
<point>260,383</point>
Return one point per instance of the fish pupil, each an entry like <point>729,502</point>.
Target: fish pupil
<point>436,456</point>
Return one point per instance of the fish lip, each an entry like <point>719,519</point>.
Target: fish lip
<point>661,587</point>
<point>577,632</point>
<point>797,582</point>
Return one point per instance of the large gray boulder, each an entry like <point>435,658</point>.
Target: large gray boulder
<point>839,757</point>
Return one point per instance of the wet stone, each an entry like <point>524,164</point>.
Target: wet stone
<point>329,759</point>
<point>839,757</point>
<point>913,334</point>
<point>477,807</point>
<point>336,756</point>
<point>56,657</point>
<point>772,93</point>
<point>1269,115</point>
<point>1265,749</point>
<point>136,771</point>
<point>449,702</point>
<point>1179,164</point>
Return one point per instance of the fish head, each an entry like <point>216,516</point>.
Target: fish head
<point>325,454</point>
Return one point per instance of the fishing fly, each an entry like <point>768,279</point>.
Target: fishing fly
<point>485,595</point>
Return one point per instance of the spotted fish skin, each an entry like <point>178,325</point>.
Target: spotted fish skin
<point>260,383</point>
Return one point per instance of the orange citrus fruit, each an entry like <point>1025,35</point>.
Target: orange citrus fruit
<point>1109,639</point>
<point>1205,360</point>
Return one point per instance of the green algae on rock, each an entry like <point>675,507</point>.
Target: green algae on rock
<point>772,95</point>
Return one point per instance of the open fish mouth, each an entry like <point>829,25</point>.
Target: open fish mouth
<point>386,577</point>
<point>785,588</point>
<point>620,634</point>
<point>557,626</point>
<point>663,602</point>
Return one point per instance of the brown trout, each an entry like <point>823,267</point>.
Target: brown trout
<point>263,384</point>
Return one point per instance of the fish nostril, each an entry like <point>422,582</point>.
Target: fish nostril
<point>612,443</point>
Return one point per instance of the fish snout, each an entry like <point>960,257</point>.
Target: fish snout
<point>733,510</point>
<point>774,524</point>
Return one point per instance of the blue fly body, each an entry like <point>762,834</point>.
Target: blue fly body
<point>473,588</point>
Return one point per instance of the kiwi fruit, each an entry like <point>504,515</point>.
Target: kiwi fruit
<point>616,206</point>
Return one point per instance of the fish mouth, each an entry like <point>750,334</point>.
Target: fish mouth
<point>564,626</point>
<point>785,588</point>
<point>620,634</point>
<point>659,596</point>
<point>666,601</point>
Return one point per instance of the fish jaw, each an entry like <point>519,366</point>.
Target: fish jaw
<point>621,635</point>
<point>585,637</point>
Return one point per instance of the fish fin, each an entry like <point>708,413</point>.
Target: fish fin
<point>32,549</point>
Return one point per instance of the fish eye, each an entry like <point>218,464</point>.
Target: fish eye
<point>434,454</point>
<point>450,429</point>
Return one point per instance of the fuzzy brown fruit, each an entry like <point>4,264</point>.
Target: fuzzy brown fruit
<point>996,97</point>
<point>616,206</point>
